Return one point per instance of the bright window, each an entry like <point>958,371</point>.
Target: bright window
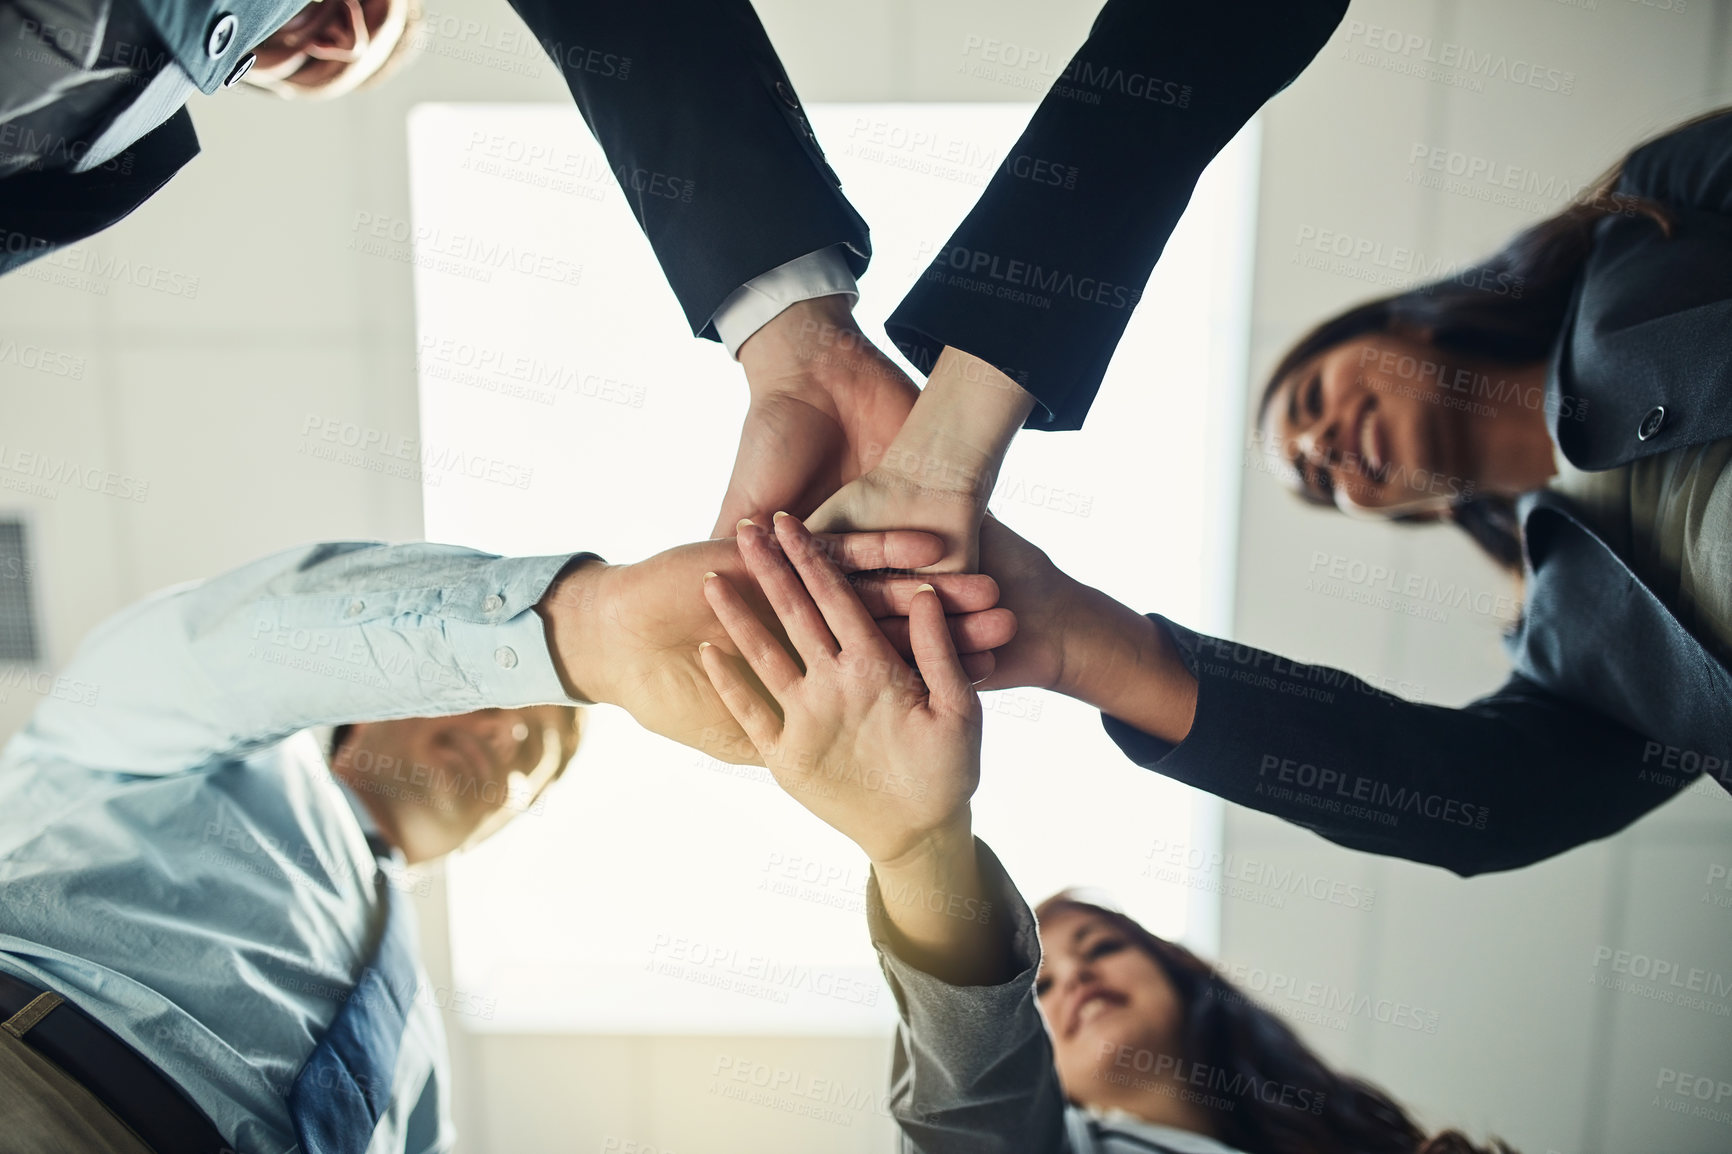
<point>659,891</point>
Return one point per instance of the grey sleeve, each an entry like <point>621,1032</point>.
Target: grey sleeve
<point>973,1067</point>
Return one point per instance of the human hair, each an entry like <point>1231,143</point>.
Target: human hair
<point>1518,322</point>
<point>1247,1051</point>
<point>574,732</point>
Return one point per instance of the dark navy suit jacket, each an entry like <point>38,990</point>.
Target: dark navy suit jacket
<point>692,90</point>
<point>1613,706</point>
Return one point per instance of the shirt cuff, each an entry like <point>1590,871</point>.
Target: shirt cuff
<point>758,302</point>
<point>499,640</point>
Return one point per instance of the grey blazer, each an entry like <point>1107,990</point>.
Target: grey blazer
<point>973,1067</point>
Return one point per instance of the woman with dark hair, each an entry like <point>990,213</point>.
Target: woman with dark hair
<point>1094,1037</point>
<point>1569,404</point>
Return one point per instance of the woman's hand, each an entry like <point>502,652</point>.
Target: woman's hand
<point>886,755</point>
<point>939,471</point>
<point>1075,640</point>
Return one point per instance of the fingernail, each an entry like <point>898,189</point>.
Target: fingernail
<point>926,586</point>
<point>703,645</point>
<point>778,516</point>
<point>742,523</point>
<point>707,576</point>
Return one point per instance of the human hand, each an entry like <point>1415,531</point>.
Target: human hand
<point>1076,640</point>
<point>886,756</point>
<point>1057,630</point>
<point>939,471</point>
<point>825,405</point>
<point>627,635</point>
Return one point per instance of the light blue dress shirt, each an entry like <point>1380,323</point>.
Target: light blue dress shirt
<point>176,857</point>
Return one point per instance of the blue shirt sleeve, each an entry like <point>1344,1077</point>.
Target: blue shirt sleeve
<point>320,635</point>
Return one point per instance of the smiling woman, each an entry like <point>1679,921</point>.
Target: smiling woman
<point>1150,1046</point>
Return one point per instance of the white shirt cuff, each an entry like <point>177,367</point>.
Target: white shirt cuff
<point>757,302</point>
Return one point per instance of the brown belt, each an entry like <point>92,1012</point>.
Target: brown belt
<point>139,1094</point>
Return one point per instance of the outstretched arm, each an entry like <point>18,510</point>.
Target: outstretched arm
<point>358,631</point>
<point>890,759</point>
<point>1506,780</point>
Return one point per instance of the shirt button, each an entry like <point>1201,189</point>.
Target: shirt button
<point>494,603</point>
<point>355,608</point>
<point>787,95</point>
<point>221,35</point>
<point>1651,423</point>
<point>240,70</point>
<point>506,656</point>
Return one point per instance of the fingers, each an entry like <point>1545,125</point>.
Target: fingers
<point>948,683</point>
<point>882,549</point>
<point>787,595</point>
<point>852,626</point>
<point>978,666</point>
<point>756,718</point>
<point>969,632</point>
<point>890,595</point>
<point>756,644</point>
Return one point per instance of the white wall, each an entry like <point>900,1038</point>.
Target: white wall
<point>207,399</point>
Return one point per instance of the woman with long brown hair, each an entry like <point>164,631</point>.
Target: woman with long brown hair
<point>1090,1036</point>
<point>1568,403</point>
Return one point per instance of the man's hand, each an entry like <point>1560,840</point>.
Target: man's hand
<point>627,635</point>
<point>887,756</point>
<point>825,405</point>
<point>941,468</point>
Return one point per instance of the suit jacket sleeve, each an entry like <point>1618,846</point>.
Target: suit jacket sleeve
<point>1506,780</point>
<point>1040,279</point>
<point>43,211</point>
<point>705,136</point>
<point>972,1072</point>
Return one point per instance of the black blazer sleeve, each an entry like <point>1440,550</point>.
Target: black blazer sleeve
<point>1040,278</point>
<point>1509,779</point>
<point>43,211</point>
<point>705,136</point>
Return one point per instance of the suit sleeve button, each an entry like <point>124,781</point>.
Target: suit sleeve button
<point>1651,423</point>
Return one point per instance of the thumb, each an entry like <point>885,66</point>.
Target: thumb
<point>935,654</point>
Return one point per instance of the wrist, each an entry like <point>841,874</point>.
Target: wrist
<point>572,609</point>
<point>811,343</point>
<point>978,406</point>
<point>933,853</point>
<point>1127,666</point>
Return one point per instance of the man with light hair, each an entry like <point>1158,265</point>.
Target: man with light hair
<point>205,943</point>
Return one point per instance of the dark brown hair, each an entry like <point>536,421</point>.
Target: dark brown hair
<point>1539,267</point>
<point>1246,1049</point>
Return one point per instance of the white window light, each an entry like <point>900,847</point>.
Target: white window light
<point>659,891</point>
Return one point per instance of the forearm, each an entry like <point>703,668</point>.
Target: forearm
<point>941,917</point>
<point>323,635</point>
<point>1126,666</point>
<point>973,1066</point>
<point>1506,780</point>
